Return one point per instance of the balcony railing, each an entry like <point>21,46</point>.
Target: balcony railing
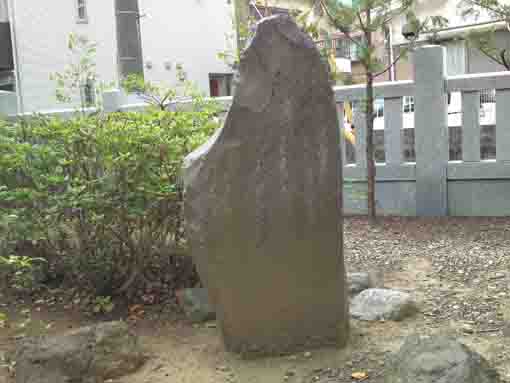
<point>342,48</point>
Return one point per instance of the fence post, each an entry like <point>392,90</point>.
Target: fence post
<point>471,126</point>
<point>431,131</point>
<point>502,125</point>
<point>360,129</point>
<point>340,112</point>
<point>393,130</point>
<point>112,100</point>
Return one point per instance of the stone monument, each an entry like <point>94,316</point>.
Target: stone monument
<point>263,202</point>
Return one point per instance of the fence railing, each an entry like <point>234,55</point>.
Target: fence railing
<point>433,185</point>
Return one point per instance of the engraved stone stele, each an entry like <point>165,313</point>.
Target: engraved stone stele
<point>263,202</point>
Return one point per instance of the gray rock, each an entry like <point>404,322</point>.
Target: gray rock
<point>196,305</point>
<point>358,282</point>
<point>382,304</point>
<point>89,355</point>
<point>438,359</point>
<point>263,201</point>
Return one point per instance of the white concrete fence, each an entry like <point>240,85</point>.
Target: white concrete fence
<point>431,185</point>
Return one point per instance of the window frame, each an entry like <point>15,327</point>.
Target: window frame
<point>379,108</point>
<point>82,5</point>
<point>408,104</point>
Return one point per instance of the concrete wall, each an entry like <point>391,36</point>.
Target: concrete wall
<point>42,29</point>
<point>479,197</point>
<point>393,198</point>
<point>191,32</point>
<point>466,198</point>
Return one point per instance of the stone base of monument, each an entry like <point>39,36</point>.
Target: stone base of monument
<point>263,202</point>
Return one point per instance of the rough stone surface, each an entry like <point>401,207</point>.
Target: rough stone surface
<point>358,282</point>
<point>438,360</point>
<point>382,304</point>
<point>89,355</point>
<point>196,304</point>
<point>263,201</point>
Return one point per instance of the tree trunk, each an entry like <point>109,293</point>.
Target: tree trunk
<point>370,148</point>
<point>370,125</point>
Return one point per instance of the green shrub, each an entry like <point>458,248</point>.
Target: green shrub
<point>99,196</point>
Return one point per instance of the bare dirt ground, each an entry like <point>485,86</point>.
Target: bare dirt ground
<point>457,269</point>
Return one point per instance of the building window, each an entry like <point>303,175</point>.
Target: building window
<point>487,96</point>
<point>82,11</point>
<point>355,49</point>
<point>220,84</point>
<point>379,108</point>
<point>408,104</point>
<point>343,48</point>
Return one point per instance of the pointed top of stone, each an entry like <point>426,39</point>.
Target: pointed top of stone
<point>278,50</point>
<point>284,25</point>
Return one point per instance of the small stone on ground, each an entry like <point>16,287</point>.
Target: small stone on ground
<point>382,304</point>
<point>358,282</point>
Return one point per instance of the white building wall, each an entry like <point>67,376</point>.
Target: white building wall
<point>448,9</point>
<point>42,30</point>
<point>4,14</point>
<point>191,32</point>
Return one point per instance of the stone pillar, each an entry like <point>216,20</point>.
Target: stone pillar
<point>471,126</point>
<point>263,202</point>
<point>393,130</point>
<point>431,131</point>
<point>503,125</point>
<point>112,100</point>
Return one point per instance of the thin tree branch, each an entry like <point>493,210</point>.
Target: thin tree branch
<point>503,58</point>
<point>397,59</point>
<point>362,26</point>
<point>393,14</point>
<point>491,56</point>
<point>497,11</point>
<point>342,29</point>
